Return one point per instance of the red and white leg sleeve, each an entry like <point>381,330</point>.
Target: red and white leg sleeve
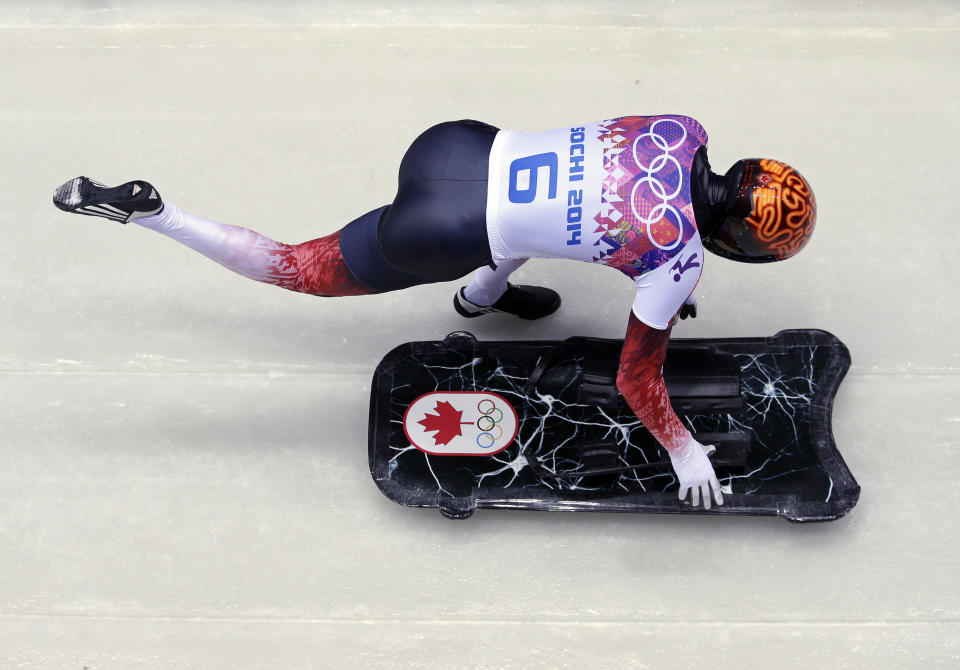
<point>314,267</point>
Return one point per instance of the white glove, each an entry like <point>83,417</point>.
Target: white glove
<point>695,473</point>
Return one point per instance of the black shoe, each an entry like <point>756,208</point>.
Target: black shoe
<point>122,203</point>
<point>527,302</point>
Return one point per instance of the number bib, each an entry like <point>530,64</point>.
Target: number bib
<point>615,192</point>
<point>541,184</point>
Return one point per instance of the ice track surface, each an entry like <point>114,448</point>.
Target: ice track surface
<point>184,474</point>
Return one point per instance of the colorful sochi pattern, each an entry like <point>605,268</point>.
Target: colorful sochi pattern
<point>646,215</point>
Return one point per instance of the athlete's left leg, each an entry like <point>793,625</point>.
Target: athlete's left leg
<point>341,264</point>
<point>315,267</point>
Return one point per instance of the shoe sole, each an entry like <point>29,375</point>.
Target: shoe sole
<point>83,195</point>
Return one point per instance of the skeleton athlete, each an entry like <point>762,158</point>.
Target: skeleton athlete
<point>635,193</point>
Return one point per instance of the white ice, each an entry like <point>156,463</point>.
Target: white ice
<point>183,464</point>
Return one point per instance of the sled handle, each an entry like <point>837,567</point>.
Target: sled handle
<point>598,381</point>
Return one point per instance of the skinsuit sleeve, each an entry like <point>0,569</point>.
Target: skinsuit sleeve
<point>640,380</point>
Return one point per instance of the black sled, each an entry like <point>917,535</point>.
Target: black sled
<point>462,424</point>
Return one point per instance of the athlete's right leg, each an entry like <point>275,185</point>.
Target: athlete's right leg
<point>489,284</point>
<point>489,291</point>
<point>436,226</point>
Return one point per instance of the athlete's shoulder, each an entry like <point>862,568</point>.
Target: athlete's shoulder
<point>692,127</point>
<point>671,279</point>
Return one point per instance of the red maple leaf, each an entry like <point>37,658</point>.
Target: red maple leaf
<point>446,422</point>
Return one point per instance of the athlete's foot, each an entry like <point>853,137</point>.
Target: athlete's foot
<point>122,203</point>
<point>527,302</point>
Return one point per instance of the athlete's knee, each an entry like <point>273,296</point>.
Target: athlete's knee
<point>360,246</point>
<point>322,271</point>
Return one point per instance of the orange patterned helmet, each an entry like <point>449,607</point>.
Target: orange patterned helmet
<point>771,218</point>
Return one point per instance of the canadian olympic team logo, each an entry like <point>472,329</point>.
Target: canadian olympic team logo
<point>460,423</point>
<point>650,188</point>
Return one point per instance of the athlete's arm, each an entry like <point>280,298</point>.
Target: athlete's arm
<point>640,380</point>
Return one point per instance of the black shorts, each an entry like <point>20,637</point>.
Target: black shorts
<point>435,229</point>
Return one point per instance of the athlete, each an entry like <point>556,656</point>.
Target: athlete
<point>634,193</point>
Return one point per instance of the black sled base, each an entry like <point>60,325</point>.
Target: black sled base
<point>463,424</point>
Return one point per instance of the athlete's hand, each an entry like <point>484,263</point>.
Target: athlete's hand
<point>689,308</point>
<point>695,473</point>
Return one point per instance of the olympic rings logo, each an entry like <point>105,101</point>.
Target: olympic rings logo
<point>656,187</point>
<point>487,424</point>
